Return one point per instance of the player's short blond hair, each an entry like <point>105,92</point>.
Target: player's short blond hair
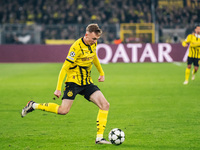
<point>94,28</point>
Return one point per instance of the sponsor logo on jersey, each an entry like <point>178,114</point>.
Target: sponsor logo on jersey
<point>87,58</point>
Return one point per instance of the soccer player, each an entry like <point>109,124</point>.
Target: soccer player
<point>77,67</point>
<point>193,41</point>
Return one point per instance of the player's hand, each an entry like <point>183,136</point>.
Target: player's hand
<point>101,78</point>
<point>57,93</point>
<point>186,45</point>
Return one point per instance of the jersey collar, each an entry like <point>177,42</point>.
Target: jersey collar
<point>197,35</point>
<point>84,42</point>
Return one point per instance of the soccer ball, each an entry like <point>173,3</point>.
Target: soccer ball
<point>116,136</point>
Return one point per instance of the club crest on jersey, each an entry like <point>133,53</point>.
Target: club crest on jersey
<point>70,94</point>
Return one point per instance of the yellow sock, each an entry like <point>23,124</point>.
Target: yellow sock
<point>187,74</point>
<point>50,107</point>
<point>193,71</point>
<point>101,122</point>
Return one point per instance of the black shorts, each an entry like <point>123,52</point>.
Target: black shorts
<point>72,89</point>
<point>194,61</point>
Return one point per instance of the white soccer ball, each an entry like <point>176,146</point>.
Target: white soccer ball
<point>116,136</point>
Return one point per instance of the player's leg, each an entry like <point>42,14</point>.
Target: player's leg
<point>187,74</point>
<point>31,105</point>
<point>194,71</point>
<point>196,67</point>
<point>98,98</point>
<point>63,109</point>
<point>49,107</point>
<point>69,95</point>
<point>187,70</point>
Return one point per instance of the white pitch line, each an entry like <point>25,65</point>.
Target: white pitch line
<point>177,63</point>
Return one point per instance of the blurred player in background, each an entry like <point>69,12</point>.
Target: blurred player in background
<point>77,67</point>
<point>193,41</point>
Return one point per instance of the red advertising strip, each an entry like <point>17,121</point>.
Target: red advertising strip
<point>107,53</point>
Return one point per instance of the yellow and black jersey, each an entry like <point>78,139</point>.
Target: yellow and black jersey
<point>78,64</point>
<point>194,49</point>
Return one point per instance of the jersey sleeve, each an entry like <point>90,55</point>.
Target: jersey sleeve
<point>73,53</point>
<point>187,40</point>
<point>62,74</point>
<point>98,65</point>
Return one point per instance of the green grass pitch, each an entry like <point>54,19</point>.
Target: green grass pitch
<point>147,101</point>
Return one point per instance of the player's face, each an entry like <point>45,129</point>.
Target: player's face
<point>91,38</point>
<point>198,29</point>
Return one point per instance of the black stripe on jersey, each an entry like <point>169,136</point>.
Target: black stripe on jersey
<point>196,53</point>
<point>69,61</point>
<point>73,67</point>
<point>81,48</point>
<point>86,77</point>
<point>80,69</point>
<point>89,78</point>
<point>192,50</point>
<point>90,49</point>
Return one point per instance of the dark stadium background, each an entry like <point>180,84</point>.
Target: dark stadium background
<point>58,22</point>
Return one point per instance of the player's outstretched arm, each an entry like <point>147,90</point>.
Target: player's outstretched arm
<point>61,77</point>
<point>99,68</point>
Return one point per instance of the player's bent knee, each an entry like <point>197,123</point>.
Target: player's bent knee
<point>105,106</point>
<point>63,112</point>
